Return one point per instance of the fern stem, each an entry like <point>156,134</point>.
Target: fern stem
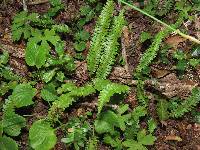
<point>163,23</point>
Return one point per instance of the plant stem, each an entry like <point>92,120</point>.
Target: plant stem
<point>163,23</point>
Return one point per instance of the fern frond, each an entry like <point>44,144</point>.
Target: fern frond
<point>110,47</point>
<point>65,100</point>
<point>187,104</point>
<point>100,33</point>
<point>162,109</point>
<point>142,98</point>
<point>100,84</point>
<point>151,53</point>
<point>83,91</point>
<point>108,92</point>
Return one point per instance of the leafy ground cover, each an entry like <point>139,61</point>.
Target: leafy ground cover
<point>95,74</point>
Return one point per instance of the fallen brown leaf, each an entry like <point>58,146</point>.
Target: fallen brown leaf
<point>173,138</point>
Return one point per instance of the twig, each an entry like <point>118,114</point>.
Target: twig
<point>124,55</point>
<point>95,104</point>
<point>163,23</point>
<point>38,2</point>
<point>24,5</point>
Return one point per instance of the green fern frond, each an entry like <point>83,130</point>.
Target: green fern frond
<point>151,53</point>
<point>108,92</point>
<point>187,104</point>
<point>100,84</point>
<point>100,33</point>
<point>142,98</point>
<point>83,91</point>
<point>65,100</point>
<point>110,47</point>
<point>162,109</point>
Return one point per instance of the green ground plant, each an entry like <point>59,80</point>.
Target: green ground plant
<point>114,123</point>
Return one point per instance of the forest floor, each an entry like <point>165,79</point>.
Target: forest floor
<point>171,134</point>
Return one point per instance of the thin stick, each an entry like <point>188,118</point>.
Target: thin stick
<point>163,23</point>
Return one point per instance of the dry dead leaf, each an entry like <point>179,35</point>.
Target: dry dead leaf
<point>70,130</point>
<point>173,138</point>
<point>159,73</point>
<point>174,41</point>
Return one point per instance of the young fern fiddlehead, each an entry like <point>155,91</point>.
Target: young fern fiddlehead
<point>98,39</point>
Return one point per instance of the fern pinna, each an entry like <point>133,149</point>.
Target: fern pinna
<point>100,32</point>
<point>104,44</point>
<point>151,53</point>
<point>187,104</point>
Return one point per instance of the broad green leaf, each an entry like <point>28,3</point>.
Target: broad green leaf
<point>102,126</point>
<point>50,35</point>
<point>22,95</point>
<point>7,143</point>
<point>80,46</point>
<point>61,28</point>
<point>42,136</point>
<point>12,123</point>
<point>36,54</point>
<point>47,76</point>
<point>4,58</point>
<point>48,96</point>
<point>106,122</point>
<point>152,125</point>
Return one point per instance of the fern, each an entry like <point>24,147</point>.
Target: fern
<point>187,104</point>
<point>65,100</point>
<point>100,33</point>
<point>110,47</point>
<point>150,54</point>
<point>108,92</point>
<point>142,98</point>
<point>162,109</point>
